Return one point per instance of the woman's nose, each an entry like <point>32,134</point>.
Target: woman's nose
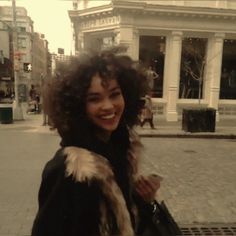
<point>107,104</point>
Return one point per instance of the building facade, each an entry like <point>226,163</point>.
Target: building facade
<point>31,59</point>
<point>6,58</point>
<point>191,45</point>
<point>58,61</point>
<point>23,55</point>
<point>40,61</point>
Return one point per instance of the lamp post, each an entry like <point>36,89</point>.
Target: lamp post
<point>17,109</point>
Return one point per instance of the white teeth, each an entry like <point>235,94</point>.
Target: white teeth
<point>108,116</point>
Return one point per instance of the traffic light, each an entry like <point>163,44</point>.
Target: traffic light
<point>27,67</point>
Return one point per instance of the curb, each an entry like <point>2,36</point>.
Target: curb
<point>202,136</point>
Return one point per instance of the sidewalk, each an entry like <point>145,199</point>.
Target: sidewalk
<point>225,128</point>
<point>31,123</point>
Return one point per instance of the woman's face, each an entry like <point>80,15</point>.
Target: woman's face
<point>104,104</point>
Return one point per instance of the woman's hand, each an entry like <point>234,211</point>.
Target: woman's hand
<point>147,187</point>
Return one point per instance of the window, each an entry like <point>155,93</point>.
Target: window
<point>107,42</point>
<point>22,42</point>
<point>192,67</point>
<point>152,56</point>
<point>21,29</point>
<point>228,74</point>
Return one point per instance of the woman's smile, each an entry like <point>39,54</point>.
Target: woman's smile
<point>108,117</point>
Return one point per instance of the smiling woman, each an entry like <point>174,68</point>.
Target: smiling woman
<point>91,186</point>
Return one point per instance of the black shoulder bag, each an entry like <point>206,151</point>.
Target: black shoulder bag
<point>155,220</point>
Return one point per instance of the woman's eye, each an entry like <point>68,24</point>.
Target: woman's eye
<point>93,99</point>
<point>115,94</point>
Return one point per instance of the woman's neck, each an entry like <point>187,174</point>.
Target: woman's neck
<point>103,136</point>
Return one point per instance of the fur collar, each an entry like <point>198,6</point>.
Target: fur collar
<point>85,166</point>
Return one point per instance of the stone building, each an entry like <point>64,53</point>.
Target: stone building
<point>6,69</point>
<point>58,61</point>
<point>23,55</point>
<point>190,44</point>
<point>32,59</point>
<point>40,61</point>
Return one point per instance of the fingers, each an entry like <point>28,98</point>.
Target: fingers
<point>155,177</point>
<point>147,187</point>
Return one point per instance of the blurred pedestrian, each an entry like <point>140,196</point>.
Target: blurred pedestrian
<point>33,104</point>
<point>37,103</point>
<point>147,113</point>
<point>32,93</point>
<point>91,185</point>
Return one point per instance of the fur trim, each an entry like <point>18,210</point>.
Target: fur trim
<point>134,152</point>
<point>85,166</point>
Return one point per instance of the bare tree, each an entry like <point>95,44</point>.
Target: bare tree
<point>193,65</point>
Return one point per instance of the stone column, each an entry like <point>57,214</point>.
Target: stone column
<point>128,37</point>
<point>135,45</point>
<point>214,63</point>
<point>174,49</point>
<point>80,41</point>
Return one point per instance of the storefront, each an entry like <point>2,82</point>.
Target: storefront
<point>192,49</point>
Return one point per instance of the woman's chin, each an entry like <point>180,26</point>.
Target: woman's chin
<point>109,128</point>
<point>109,125</point>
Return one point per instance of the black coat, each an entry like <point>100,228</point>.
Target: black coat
<point>79,195</point>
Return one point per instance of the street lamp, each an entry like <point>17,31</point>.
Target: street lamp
<point>17,109</point>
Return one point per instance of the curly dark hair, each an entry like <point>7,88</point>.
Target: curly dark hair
<point>64,96</point>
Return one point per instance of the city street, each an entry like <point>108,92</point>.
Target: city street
<point>22,157</point>
<point>199,176</point>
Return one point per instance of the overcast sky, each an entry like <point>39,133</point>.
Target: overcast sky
<point>50,18</point>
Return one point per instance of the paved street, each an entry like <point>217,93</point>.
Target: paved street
<point>199,176</point>
<point>22,157</point>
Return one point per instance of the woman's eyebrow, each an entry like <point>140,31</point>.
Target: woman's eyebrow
<point>115,88</point>
<point>92,94</point>
<point>97,93</point>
